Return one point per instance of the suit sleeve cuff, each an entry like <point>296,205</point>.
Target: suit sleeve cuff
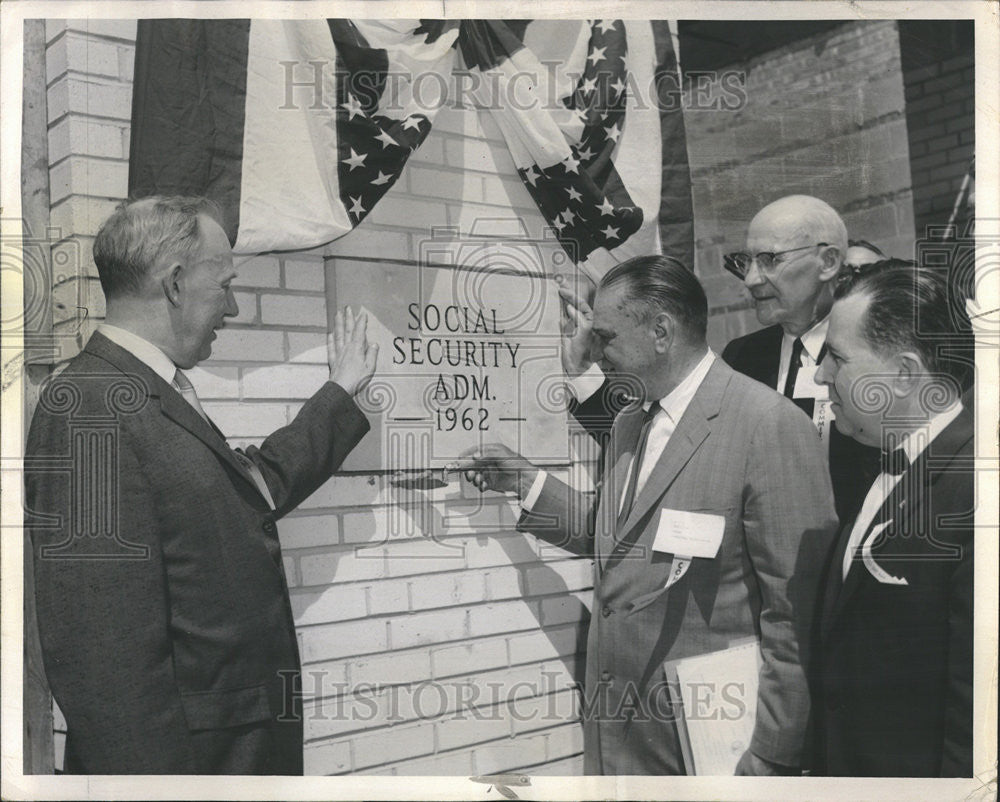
<point>586,384</point>
<point>529,501</point>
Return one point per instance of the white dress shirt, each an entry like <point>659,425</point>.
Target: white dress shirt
<point>141,349</point>
<point>587,383</point>
<point>163,366</point>
<point>812,345</point>
<point>913,444</point>
<point>672,408</point>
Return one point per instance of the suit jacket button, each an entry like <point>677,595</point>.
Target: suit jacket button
<point>605,611</point>
<point>606,676</point>
<point>269,527</point>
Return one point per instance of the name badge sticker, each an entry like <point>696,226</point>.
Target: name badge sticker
<point>823,417</point>
<point>691,534</point>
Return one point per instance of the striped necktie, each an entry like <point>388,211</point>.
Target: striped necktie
<point>183,385</point>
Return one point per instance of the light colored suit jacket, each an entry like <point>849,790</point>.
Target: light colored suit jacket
<point>740,451</point>
<point>163,607</point>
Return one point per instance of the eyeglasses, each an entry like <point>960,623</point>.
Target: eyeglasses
<point>739,263</point>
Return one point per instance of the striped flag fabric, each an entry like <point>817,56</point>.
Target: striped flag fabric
<point>298,128</point>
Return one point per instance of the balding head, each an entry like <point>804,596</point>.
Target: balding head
<point>803,217</point>
<point>810,240</point>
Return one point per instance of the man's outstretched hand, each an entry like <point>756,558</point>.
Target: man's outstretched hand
<point>495,467</point>
<point>352,359</point>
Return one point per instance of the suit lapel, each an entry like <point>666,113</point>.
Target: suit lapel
<point>621,447</point>
<point>845,588</point>
<point>691,431</point>
<point>764,360</point>
<point>171,403</point>
<point>898,510</point>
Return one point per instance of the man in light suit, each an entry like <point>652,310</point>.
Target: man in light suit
<point>796,249</point>
<point>893,673</point>
<point>701,441</point>
<point>162,601</point>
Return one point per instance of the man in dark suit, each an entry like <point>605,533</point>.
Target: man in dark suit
<point>691,461</point>
<point>795,249</point>
<point>162,601</point>
<point>893,672</point>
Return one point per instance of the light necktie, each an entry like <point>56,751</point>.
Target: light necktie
<point>640,451</point>
<point>793,368</point>
<point>183,385</point>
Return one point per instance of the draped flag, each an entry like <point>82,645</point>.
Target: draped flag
<point>298,128</point>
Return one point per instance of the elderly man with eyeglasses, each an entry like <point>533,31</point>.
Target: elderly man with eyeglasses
<point>794,258</point>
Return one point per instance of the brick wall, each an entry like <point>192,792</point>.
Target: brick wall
<point>89,65</point>
<point>939,80</point>
<point>824,116</point>
<point>435,639</point>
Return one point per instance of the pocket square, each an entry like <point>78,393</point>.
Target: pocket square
<point>876,570</point>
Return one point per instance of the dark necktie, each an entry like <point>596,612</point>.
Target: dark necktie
<point>640,450</point>
<point>895,462</point>
<point>793,368</point>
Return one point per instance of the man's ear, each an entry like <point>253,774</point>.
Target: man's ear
<point>663,332</point>
<point>910,373</point>
<point>172,284</point>
<point>832,261</point>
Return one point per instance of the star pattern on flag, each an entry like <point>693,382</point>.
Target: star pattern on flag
<point>356,159</point>
<point>386,139</point>
<point>353,106</point>
<point>599,213</point>
<point>597,54</point>
<point>373,150</point>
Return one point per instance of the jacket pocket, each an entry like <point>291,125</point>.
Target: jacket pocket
<point>209,710</point>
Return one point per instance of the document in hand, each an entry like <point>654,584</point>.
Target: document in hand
<point>714,697</point>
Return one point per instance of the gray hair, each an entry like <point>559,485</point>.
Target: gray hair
<point>141,232</point>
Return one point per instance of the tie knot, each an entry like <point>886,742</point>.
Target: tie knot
<point>182,382</point>
<point>797,348</point>
<point>895,462</point>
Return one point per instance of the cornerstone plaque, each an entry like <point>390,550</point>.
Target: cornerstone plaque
<point>467,355</point>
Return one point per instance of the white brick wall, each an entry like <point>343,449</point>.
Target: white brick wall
<point>443,602</point>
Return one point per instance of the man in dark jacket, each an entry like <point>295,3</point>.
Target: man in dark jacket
<point>162,601</point>
<point>892,686</point>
